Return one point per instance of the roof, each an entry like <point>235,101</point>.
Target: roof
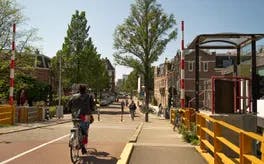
<point>108,64</point>
<point>223,40</point>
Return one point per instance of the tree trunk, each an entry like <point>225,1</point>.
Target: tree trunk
<point>147,86</point>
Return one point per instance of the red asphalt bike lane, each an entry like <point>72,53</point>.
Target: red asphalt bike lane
<point>106,142</point>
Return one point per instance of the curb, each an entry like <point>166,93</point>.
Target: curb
<point>39,126</point>
<point>126,153</point>
<point>133,139</point>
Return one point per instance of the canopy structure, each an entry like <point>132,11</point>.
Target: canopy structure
<point>227,41</point>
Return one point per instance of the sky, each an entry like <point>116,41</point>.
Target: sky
<point>51,18</point>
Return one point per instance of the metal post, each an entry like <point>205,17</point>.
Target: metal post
<point>253,75</point>
<point>197,49</point>
<point>12,68</point>
<point>60,82</point>
<point>182,68</point>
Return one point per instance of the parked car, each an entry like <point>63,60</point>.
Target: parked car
<point>105,102</point>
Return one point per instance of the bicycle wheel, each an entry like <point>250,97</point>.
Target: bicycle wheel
<point>74,150</point>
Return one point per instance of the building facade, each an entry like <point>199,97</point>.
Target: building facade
<point>167,77</point>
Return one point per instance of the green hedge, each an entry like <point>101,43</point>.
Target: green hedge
<point>189,135</point>
<point>52,111</point>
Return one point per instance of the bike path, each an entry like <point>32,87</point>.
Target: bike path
<point>157,143</point>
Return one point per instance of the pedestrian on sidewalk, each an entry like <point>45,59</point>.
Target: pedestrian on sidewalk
<point>122,109</point>
<point>132,109</point>
<point>160,110</point>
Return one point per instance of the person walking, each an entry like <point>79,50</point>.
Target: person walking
<point>132,108</point>
<point>122,109</point>
<point>160,110</point>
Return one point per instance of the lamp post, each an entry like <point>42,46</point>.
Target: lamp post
<point>59,111</point>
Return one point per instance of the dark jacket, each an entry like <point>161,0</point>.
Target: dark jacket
<point>82,102</point>
<point>132,106</point>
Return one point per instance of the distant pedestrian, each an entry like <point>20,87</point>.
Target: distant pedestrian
<point>122,105</point>
<point>160,109</point>
<point>132,109</point>
<point>122,109</point>
<point>23,98</point>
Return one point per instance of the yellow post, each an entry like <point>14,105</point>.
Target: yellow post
<point>202,133</point>
<point>217,144</point>
<point>262,148</point>
<point>245,147</point>
<point>172,114</point>
<point>198,125</point>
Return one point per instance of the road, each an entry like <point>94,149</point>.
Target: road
<point>107,139</point>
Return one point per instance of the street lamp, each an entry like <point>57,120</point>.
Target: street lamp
<point>59,111</point>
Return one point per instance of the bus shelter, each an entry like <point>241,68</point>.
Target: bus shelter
<point>227,41</point>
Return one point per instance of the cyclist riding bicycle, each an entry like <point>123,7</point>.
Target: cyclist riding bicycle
<point>81,105</point>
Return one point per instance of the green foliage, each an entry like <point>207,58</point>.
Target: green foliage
<point>36,90</point>
<point>130,84</point>
<point>11,13</point>
<point>189,135</point>
<point>52,111</point>
<point>142,38</point>
<point>80,61</point>
<point>64,100</point>
<point>23,70</point>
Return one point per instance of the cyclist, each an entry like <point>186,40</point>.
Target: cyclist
<point>82,105</point>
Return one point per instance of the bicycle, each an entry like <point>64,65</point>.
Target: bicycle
<point>75,141</point>
<point>177,120</point>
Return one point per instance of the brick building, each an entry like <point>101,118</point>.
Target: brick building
<point>167,77</point>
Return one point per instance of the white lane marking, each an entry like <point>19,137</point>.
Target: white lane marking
<point>33,149</point>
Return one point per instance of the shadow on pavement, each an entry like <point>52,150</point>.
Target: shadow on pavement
<point>113,112</point>
<point>95,157</point>
<point>111,107</point>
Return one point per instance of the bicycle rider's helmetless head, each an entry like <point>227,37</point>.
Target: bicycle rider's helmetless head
<point>82,89</point>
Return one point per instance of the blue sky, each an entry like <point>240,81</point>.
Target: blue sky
<point>52,17</point>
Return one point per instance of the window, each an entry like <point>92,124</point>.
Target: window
<point>205,66</point>
<point>190,66</point>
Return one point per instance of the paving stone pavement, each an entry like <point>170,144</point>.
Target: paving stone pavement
<point>157,143</point>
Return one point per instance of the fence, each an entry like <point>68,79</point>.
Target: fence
<point>188,116</point>
<point>6,114</point>
<point>28,114</point>
<point>212,142</point>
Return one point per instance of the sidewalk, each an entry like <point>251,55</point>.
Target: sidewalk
<point>157,143</point>
<point>27,126</point>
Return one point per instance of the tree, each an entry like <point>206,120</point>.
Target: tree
<point>10,14</point>
<point>142,38</point>
<point>131,83</point>
<point>81,62</point>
